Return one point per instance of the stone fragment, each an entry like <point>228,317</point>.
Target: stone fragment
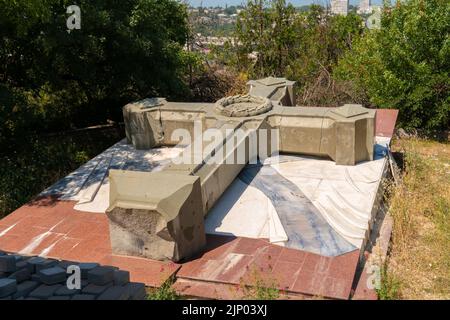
<point>167,225</point>
<point>52,275</point>
<point>7,287</point>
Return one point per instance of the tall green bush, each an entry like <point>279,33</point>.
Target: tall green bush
<point>52,79</point>
<point>405,65</point>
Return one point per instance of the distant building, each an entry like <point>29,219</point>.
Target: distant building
<point>374,20</point>
<point>365,6</point>
<point>339,7</point>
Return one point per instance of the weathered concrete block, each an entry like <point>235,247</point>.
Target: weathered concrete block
<point>136,291</point>
<point>52,275</point>
<point>279,90</point>
<point>25,288</point>
<point>141,129</point>
<point>7,287</point>
<point>115,293</point>
<point>101,275</point>
<point>355,134</point>
<point>44,291</point>
<point>164,223</point>
<point>121,277</point>
<point>7,263</point>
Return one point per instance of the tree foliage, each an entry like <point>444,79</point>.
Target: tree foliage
<point>273,39</point>
<point>405,65</point>
<point>125,50</point>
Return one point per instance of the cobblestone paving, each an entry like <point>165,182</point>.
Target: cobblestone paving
<point>37,278</point>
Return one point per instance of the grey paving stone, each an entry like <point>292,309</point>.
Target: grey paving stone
<point>121,277</point>
<point>59,298</point>
<point>83,297</point>
<point>65,264</point>
<point>84,283</point>
<point>52,275</point>
<point>7,287</point>
<point>136,290</point>
<point>101,275</point>
<point>18,257</point>
<point>39,263</point>
<point>44,291</point>
<point>64,291</point>
<point>24,264</point>
<point>21,275</point>
<point>7,263</point>
<point>85,268</point>
<point>95,289</point>
<point>115,293</point>
<point>36,277</point>
<point>24,289</point>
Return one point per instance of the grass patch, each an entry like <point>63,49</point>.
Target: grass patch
<point>164,292</point>
<point>418,266</point>
<point>389,286</point>
<point>259,287</point>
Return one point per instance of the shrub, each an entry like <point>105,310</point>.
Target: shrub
<point>405,65</point>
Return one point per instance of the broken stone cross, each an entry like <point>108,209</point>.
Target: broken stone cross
<point>160,215</point>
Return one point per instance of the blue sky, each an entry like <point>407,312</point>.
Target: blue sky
<point>213,3</point>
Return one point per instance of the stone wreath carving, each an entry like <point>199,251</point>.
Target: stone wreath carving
<point>243,106</point>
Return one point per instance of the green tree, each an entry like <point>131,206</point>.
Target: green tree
<point>125,50</point>
<point>266,28</point>
<point>405,64</point>
<point>302,46</point>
